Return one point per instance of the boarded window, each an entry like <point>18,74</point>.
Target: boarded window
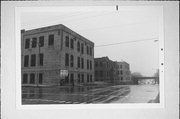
<point>27,43</point>
<point>51,40</point>
<point>26,60</point>
<point>33,60</point>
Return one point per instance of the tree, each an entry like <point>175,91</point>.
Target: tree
<point>134,76</point>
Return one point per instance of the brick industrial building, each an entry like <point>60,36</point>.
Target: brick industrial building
<point>110,71</point>
<point>49,50</point>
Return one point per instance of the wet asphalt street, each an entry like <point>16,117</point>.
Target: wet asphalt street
<point>73,95</point>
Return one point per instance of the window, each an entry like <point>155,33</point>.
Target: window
<point>78,46</point>
<point>27,43</point>
<point>51,40</point>
<point>121,78</point>
<point>32,78</point>
<point>78,62</point>
<point>67,41</point>
<point>41,41</point>
<point>72,79</point>
<point>82,78</point>
<point>90,78</point>
<point>72,60</point>
<point>41,57</point>
<point>82,48</point>
<point>72,43</point>
<point>33,60</point>
<point>87,64</point>
<point>25,78</point>
<point>67,60</point>
<point>101,64</point>
<point>96,64</point>
<point>121,66</point>
<point>121,72</point>
<point>78,78</point>
<point>96,73</point>
<point>40,78</point>
<point>101,73</point>
<point>87,49</point>
<point>90,65</point>
<point>87,77</point>
<point>34,42</point>
<point>91,51</point>
<point>82,63</point>
<point>26,60</point>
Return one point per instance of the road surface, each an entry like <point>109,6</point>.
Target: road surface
<point>89,94</point>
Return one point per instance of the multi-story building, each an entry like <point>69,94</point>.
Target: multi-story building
<point>103,69</point>
<point>47,52</point>
<point>123,72</point>
<point>109,71</point>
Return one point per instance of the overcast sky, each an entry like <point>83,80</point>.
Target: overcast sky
<point>110,27</point>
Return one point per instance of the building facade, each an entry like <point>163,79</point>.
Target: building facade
<point>48,51</point>
<point>123,72</point>
<point>110,71</point>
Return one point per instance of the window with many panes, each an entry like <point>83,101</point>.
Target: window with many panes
<point>33,60</point>
<point>51,40</point>
<point>26,60</point>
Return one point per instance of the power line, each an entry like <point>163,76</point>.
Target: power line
<point>155,40</point>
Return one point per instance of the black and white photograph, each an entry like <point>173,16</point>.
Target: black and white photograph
<point>89,59</point>
<point>108,55</point>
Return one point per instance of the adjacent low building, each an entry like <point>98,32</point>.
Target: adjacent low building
<point>49,51</point>
<point>109,71</point>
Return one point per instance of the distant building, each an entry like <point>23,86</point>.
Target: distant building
<point>123,71</point>
<point>103,69</point>
<point>47,51</point>
<point>110,71</point>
